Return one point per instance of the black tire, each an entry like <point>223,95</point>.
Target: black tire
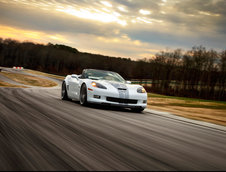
<point>83,96</point>
<point>138,110</point>
<point>64,95</point>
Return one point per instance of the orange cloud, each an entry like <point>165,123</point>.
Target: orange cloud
<point>36,36</point>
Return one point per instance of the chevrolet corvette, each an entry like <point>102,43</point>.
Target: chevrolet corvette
<point>103,87</point>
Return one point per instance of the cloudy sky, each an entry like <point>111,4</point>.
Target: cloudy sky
<point>125,28</point>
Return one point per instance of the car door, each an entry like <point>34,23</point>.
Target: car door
<point>73,86</point>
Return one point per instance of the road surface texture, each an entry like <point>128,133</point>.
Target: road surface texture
<point>39,131</point>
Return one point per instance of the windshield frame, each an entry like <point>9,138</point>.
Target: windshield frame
<point>96,74</point>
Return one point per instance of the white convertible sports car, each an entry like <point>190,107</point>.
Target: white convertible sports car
<point>104,87</point>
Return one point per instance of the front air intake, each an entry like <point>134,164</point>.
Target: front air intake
<point>124,89</point>
<point>118,100</point>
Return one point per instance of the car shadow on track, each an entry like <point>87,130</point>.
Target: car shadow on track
<point>110,108</point>
<point>107,107</point>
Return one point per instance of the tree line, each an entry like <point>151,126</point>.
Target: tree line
<point>198,73</point>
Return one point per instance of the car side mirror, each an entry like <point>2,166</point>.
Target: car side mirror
<point>74,76</point>
<point>128,82</point>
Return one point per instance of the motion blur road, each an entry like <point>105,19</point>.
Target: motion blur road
<point>39,131</point>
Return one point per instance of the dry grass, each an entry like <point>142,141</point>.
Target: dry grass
<point>44,74</point>
<point>5,84</point>
<point>29,80</point>
<point>209,111</point>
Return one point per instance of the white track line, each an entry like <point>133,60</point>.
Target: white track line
<point>196,122</point>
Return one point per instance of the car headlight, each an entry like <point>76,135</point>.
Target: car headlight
<point>141,90</point>
<point>98,85</point>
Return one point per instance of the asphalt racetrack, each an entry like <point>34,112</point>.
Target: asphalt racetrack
<point>39,131</point>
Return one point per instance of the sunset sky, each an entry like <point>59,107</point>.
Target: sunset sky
<point>125,28</point>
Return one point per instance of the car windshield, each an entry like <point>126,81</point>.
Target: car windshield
<point>104,75</point>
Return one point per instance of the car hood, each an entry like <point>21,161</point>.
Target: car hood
<point>118,85</point>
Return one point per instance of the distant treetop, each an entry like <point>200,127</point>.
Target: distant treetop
<point>64,47</point>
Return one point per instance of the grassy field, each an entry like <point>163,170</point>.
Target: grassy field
<point>44,74</point>
<point>29,80</point>
<point>205,110</point>
<point>5,84</point>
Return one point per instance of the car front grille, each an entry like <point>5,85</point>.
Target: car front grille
<point>118,100</point>
<point>124,89</point>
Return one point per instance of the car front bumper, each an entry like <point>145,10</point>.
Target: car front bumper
<point>106,97</point>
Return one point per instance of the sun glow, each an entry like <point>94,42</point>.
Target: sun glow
<point>106,3</point>
<point>123,9</point>
<point>97,16</point>
<point>144,12</point>
<point>208,14</point>
<point>145,20</point>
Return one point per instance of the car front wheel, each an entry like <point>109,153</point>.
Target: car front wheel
<point>83,95</point>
